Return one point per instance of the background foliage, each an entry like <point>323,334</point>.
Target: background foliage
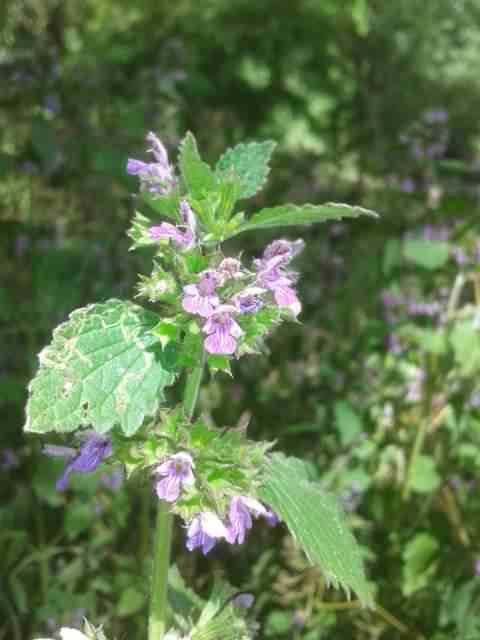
<point>370,102</point>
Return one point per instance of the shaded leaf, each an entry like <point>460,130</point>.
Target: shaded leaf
<point>317,524</point>
<point>426,253</point>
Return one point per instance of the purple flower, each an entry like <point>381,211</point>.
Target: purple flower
<point>274,278</point>
<point>476,567</point>
<point>460,257</point>
<point>407,185</point>
<point>222,331</point>
<point>204,531</point>
<point>240,517</point>
<point>248,300</point>
<point>286,249</point>
<point>8,460</point>
<point>184,235</point>
<point>176,471</point>
<point>156,177</point>
<point>92,452</point>
<point>271,273</point>
<point>230,269</point>
<point>201,298</point>
<point>243,600</point>
<point>415,386</point>
<point>435,116</point>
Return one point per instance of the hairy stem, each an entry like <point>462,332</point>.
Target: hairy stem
<point>161,561</point>
<point>157,622</point>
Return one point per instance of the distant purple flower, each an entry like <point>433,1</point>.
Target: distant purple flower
<point>201,299</point>
<point>436,233</point>
<point>204,531</point>
<point>51,104</point>
<point>474,401</point>
<point>243,600</point>
<point>222,331</point>
<point>415,386</point>
<point>114,480</point>
<point>156,177</point>
<point>8,460</point>
<point>407,185</point>
<point>92,452</point>
<point>424,308</point>
<point>184,235</point>
<point>460,256</point>
<point>435,116</point>
<point>176,471</point>
<point>248,300</point>
<point>476,567</point>
<point>240,519</point>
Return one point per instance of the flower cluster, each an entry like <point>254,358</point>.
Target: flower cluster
<point>224,292</point>
<point>206,528</point>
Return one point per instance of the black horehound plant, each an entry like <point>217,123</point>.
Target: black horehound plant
<point>104,374</point>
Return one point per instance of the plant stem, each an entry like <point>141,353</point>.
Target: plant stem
<point>157,622</point>
<point>161,561</point>
<point>192,387</point>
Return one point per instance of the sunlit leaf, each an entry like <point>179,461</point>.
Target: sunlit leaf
<point>104,367</point>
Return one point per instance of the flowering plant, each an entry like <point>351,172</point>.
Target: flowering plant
<point>107,368</point>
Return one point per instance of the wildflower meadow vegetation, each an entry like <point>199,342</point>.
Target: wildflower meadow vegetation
<point>228,414</point>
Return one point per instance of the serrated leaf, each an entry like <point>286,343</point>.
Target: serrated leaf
<point>104,367</point>
<point>292,215</point>
<point>197,175</point>
<point>249,163</point>
<point>317,524</point>
<point>427,253</point>
<point>139,232</point>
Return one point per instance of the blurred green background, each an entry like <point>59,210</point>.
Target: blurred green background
<point>371,102</point>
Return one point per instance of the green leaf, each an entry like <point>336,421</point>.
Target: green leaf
<point>349,424</point>
<point>167,206</point>
<point>131,601</point>
<point>419,566</point>
<point>249,163</point>
<point>426,253</point>
<point>104,367</point>
<point>197,175</point>
<point>465,340</point>
<point>317,523</point>
<point>292,215</point>
<point>424,476</point>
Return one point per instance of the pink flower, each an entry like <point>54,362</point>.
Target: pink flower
<point>176,471</point>
<point>222,331</point>
<point>248,300</point>
<point>204,531</point>
<point>273,276</point>
<point>230,269</point>
<point>201,299</point>
<point>156,177</point>
<point>184,235</point>
<point>241,508</point>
